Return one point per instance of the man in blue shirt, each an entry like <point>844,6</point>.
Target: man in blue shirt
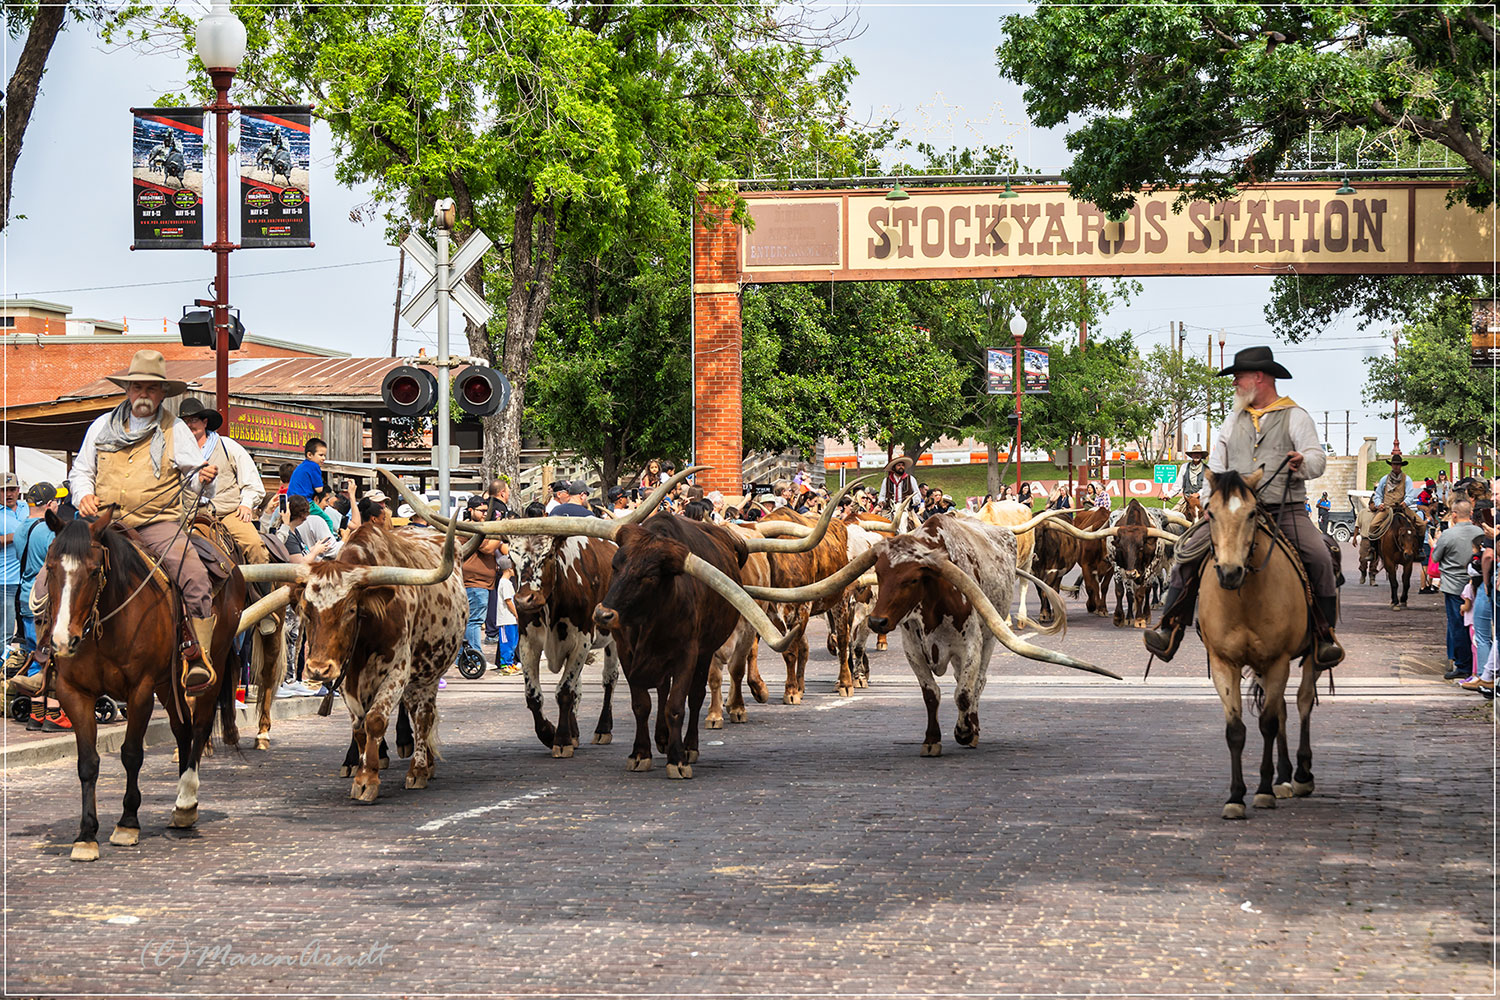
<point>31,542</point>
<point>307,478</point>
<point>10,558</point>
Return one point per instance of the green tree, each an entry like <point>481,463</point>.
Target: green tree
<point>1179,385</point>
<point>1434,381</point>
<point>1210,96</point>
<point>1095,393</point>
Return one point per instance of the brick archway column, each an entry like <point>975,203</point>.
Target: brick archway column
<point>718,433</point>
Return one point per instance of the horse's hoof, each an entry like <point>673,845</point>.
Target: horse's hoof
<point>1234,810</point>
<point>714,722</point>
<point>932,749</point>
<point>183,819</point>
<point>262,742</point>
<point>416,781</point>
<point>602,738</point>
<point>346,771</point>
<point>843,691</point>
<point>364,793</point>
<point>638,764</point>
<point>560,752</point>
<point>758,691</point>
<point>124,836</point>
<point>85,850</point>
<point>692,756</point>
<point>1283,790</point>
<point>405,749</point>
<point>385,762</point>
<point>679,770</point>
<point>176,755</point>
<point>1302,789</point>
<point>1264,801</point>
<point>738,715</point>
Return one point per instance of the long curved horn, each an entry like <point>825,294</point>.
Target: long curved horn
<point>812,539</point>
<point>274,573</point>
<point>1059,624</point>
<point>592,526</point>
<point>1032,522</point>
<point>965,585</point>
<point>1078,532</point>
<point>831,584</point>
<point>1175,518</point>
<point>655,497</point>
<point>1165,536</point>
<point>868,580</point>
<point>740,601</point>
<point>878,526</point>
<point>268,605</point>
<point>408,576</point>
<point>898,516</point>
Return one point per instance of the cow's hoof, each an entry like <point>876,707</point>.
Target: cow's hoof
<point>792,698</point>
<point>385,762</point>
<point>758,691</point>
<point>714,722</point>
<point>738,715</point>
<point>262,742</point>
<point>124,836</point>
<point>691,755</point>
<point>679,770</point>
<point>602,738</point>
<point>932,749</point>
<point>361,792</point>
<point>1302,789</point>
<point>845,691</point>
<point>968,740</point>
<point>1395,606</point>
<point>638,764</point>
<point>85,850</point>
<point>861,682</point>
<point>575,741</point>
<point>183,819</point>
<point>833,648</point>
<point>1283,790</point>
<point>405,750</point>
<point>416,781</point>
<point>1264,801</point>
<point>1234,810</point>
<point>547,734</point>
<point>177,751</point>
<point>346,770</point>
<point>566,751</point>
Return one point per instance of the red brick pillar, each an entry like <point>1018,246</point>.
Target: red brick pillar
<point>718,433</point>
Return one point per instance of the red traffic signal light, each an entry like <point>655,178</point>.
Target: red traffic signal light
<point>408,391</point>
<point>481,391</point>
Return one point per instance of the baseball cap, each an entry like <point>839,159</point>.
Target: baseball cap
<point>41,493</point>
<point>477,500</point>
<point>614,493</point>
<point>376,496</point>
<point>9,482</point>
<point>405,510</point>
<point>559,486</point>
<point>578,486</point>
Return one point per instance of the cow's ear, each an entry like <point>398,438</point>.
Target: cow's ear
<point>673,558</point>
<point>376,601</point>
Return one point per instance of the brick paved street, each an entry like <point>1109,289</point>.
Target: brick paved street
<point>1077,849</point>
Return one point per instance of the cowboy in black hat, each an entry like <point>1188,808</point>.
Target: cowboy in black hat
<point>1266,430</point>
<point>238,492</point>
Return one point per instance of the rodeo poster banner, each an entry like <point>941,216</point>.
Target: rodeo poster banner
<point>1000,372</point>
<point>167,178</point>
<point>1035,370</point>
<point>275,158</point>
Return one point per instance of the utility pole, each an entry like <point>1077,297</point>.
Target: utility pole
<point>1208,398</point>
<point>1083,315</point>
<point>1346,432</point>
<point>1180,338</point>
<point>1325,426</point>
<point>400,280</point>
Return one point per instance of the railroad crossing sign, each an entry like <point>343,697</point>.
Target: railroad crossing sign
<point>426,298</point>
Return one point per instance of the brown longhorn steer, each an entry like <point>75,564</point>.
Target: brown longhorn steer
<point>738,655</point>
<point>799,570</point>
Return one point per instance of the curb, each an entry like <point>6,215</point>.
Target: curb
<point>63,746</point>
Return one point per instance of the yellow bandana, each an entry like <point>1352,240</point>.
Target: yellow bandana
<point>1282,403</point>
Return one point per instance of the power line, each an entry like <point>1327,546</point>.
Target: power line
<point>199,280</point>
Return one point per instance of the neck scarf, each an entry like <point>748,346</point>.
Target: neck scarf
<point>117,435</point>
<point>210,442</point>
<point>1281,403</point>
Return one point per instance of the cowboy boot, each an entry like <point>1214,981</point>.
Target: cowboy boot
<point>1327,653</point>
<point>1176,615</point>
<point>198,670</point>
<point>27,683</point>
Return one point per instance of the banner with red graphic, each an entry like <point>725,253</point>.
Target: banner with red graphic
<point>167,178</point>
<point>275,160</point>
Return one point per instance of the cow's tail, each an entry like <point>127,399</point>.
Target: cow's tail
<point>432,738</point>
<point>229,731</point>
<point>1059,625</point>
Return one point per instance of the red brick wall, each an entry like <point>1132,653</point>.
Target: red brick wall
<point>716,343</point>
<point>35,374</point>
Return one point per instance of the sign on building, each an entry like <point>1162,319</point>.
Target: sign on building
<point>166,167</point>
<point>275,168</point>
<point>272,430</point>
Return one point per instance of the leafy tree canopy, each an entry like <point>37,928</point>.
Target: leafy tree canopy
<point>1434,381</point>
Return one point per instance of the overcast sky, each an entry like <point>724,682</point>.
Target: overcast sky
<point>931,67</point>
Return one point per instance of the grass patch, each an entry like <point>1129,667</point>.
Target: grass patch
<point>964,481</point>
<point>1419,467</point>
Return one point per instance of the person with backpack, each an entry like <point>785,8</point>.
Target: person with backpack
<point>32,540</point>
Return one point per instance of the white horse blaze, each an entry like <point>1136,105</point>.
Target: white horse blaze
<point>70,568</point>
<point>1234,504</point>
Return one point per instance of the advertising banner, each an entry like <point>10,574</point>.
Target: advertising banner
<point>166,188</point>
<point>275,159</point>
<point>1484,344</point>
<point>1000,377</point>
<point>1034,373</point>
<point>270,430</point>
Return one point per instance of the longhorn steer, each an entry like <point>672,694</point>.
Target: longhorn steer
<point>799,569</point>
<point>1133,556</point>
<point>738,655</point>
<point>559,584</point>
<point>1059,551</point>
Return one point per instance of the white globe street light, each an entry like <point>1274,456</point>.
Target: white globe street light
<point>221,38</point>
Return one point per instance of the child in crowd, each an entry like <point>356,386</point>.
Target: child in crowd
<point>505,617</point>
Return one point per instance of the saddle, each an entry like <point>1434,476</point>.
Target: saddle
<point>1385,517</point>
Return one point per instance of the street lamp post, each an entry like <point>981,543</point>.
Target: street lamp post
<point>1221,367</point>
<point>221,47</point>
<point>1396,394</point>
<point>1017,331</point>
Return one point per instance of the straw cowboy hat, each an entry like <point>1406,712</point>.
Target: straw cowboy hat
<point>1257,359</point>
<point>149,366</point>
<point>1198,450</point>
<point>193,408</point>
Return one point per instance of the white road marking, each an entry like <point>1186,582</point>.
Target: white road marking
<point>509,803</point>
<point>836,704</point>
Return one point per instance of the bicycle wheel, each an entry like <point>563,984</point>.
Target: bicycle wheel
<point>471,663</point>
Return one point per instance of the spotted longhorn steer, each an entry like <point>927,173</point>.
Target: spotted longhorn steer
<point>559,582</point>
<point>384,621</point>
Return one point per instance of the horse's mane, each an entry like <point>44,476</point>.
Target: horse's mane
<point>126,567</point>
<point>1231,483</point>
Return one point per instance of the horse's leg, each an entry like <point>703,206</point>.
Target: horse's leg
<point>132,753</point>
<point>605,729</point>
<point>1272,725</point>
<point>199,726</point>
<point>1391,568</point>
<point>1405,583</point>
<point>80,708</point>
<point>1302,778</point>
<point>1226,678</point>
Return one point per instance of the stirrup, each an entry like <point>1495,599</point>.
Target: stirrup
<point>1327,653</point>
<point>1164,640</point>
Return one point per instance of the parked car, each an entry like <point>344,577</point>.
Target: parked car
<point>1341,523</point>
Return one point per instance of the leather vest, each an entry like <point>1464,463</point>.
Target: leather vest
<point>227,485</point>
<point>1192,479</point>
<point>1395,491</point>
<point>1248,450</point>
<point>125,477</point>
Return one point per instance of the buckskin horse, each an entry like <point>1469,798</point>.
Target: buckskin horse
<point>1401,546</point>
<point>113,617</point>
<point>1252,612</point>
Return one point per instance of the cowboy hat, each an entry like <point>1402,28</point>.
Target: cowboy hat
<point>1395,459</point>
<point>1197,449</point>
<point>149,366</point>
<point>193,408</point>
<point>1256,359</point>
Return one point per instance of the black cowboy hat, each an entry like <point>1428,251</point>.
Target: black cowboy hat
<point>193,408</point>
<point>1395,459</point>
<point>1257,359</point>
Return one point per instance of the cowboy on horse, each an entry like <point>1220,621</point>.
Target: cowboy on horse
<point>1396,495</point>
<point>142,459</point>
<point>1190,481</point>
<point>1266,429</point>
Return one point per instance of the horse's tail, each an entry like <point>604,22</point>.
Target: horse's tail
<point>1256,692</point>
<point>229,731</point>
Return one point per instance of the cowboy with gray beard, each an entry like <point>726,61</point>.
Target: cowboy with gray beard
<point>141,458</point>
<point>1266,430</point>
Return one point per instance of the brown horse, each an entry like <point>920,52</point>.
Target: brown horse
<point>1252,613</point>
<point>1400,547</point>
<point>114,631</point>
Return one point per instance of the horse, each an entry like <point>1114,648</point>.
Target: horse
<point>1192,506</point>
<point>277,161</point>
<point>1252,612</point>
<point>1400,547</point>
<point>114,631</point>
